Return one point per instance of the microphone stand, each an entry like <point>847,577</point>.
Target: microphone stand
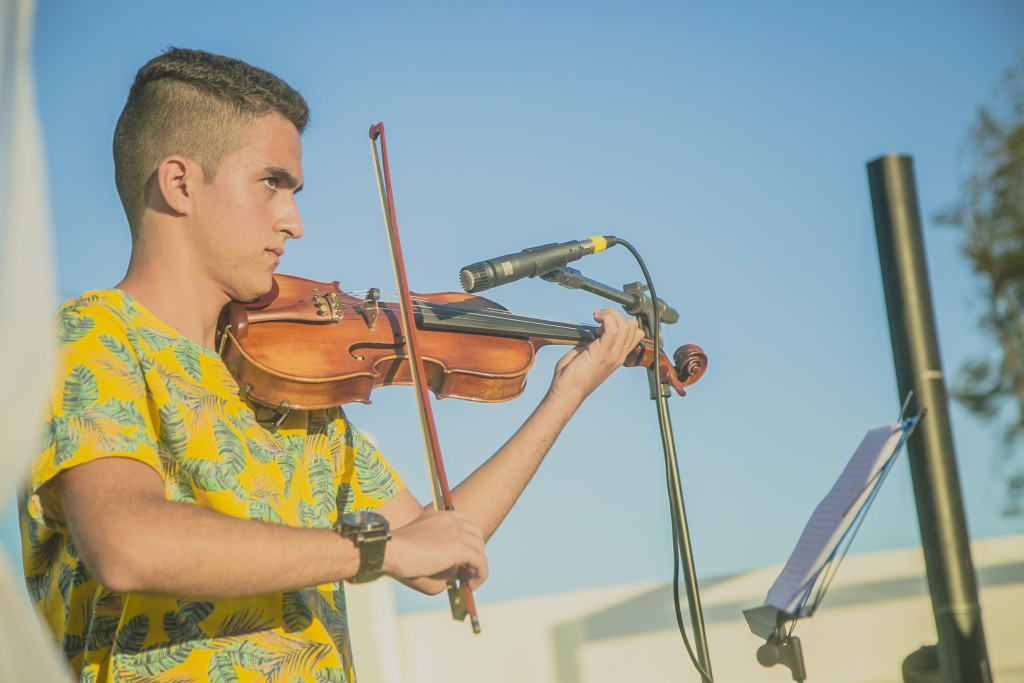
<point>636,303</point>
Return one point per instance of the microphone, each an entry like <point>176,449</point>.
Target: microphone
<point>483,275</point>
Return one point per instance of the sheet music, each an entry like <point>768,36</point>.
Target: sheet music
<point>833,517</point>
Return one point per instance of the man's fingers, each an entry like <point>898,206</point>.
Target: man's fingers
<point>618,333</point>
<point>434,545</point>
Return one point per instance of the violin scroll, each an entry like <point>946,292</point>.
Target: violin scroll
<point>690,363</point>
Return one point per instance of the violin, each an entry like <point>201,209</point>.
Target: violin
<point>308,345</point>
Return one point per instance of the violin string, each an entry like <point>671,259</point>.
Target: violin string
<point>484,314</point>
<point>495,313</point>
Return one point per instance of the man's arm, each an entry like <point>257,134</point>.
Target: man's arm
<point>487,495</point>
<point>133,540</point>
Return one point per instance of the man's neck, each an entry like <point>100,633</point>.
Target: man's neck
<point>175,296</point>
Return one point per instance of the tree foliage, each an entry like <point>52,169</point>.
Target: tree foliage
<point>990,214</point>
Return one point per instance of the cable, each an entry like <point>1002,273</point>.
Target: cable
<point>673,494</point>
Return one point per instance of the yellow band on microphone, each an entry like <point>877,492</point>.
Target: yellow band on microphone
<point>600,243</point>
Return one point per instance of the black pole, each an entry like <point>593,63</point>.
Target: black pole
<point>963,657</point>
<point>681,531</point>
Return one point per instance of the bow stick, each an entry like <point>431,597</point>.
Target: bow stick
<point>459,594</point>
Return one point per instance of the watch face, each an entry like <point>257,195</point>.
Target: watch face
<point>366,520</point>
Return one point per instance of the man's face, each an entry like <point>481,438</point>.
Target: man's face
<point>243,217</point>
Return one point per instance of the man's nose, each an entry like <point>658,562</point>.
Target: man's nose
<point>291,222</point>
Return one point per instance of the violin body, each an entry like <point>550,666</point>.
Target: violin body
<point>315,346</point>
<point>308,345</point>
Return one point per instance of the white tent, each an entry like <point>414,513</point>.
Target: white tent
<point>26,303</point>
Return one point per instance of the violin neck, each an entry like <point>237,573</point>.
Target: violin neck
<point>456,319</point>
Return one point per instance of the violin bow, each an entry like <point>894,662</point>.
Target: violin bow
<point>459,595</point>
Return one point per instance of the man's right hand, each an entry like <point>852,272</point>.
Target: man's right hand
<point>425,551</point>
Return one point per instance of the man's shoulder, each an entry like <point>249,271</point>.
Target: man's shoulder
<point>106,305</point>
<point>101,311</point>
<point>112,313</point>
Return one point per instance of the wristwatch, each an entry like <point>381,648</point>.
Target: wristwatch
<point>371,532</point>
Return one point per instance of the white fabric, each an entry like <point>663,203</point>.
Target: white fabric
<point>26,303</point>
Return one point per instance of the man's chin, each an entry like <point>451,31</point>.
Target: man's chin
<point>252,293</point>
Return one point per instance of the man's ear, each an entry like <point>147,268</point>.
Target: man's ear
<point>175,178</point>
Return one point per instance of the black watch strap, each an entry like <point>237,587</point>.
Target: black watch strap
<point>370,532</point>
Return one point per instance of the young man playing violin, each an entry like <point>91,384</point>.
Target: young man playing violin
<point>167,535</point>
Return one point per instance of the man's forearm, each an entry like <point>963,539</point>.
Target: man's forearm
<point>133,540</point>
<point>487,495</point>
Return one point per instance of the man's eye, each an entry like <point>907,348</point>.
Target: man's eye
<point>271,183</point>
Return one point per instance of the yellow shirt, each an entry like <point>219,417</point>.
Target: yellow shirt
<point>131,387</point>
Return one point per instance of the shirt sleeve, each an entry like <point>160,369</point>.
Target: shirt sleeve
<point>98,406</point>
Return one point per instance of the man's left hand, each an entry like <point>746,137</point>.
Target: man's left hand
<point>581,370</point>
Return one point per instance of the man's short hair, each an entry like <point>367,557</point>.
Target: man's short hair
<point>195,104</point>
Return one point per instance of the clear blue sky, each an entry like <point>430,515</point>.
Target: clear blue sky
<point>728,142</point>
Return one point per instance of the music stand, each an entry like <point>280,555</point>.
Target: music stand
<point>799,589</point>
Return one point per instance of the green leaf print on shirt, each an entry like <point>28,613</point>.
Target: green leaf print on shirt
<point>296,613</point>
<point>101,632</point>
<point>262,448</point>
<point>262,510</point>
<point>220,473</point>
<point>38,586</point>
<point>329,676</point>
<point>188,357</point>
<point>333,616</point>
<point>307,515</point>
<point>125,413</point>
<point>144,666</point>
<point>183,625</point>
<point>72,326</point>
<point>80,575</point>
<point>229,446</point>
<point>127,367</point>
<point>288,459</point>
<point>72,645</point>
<point>64,443</point>
<point>85,421</point>
<point>173,432</point>
<point>43,556</point>
<point>344,498</point>
<point>196,402</point>
<point>65,576</point>
<point>276,656</point>
<point>221,668</point>
<point>80,390</point>
<point>132,635</point>
<point>242,622</point>
<point>156,339</point>
<point>321,483</point>
<point>375,479</point>
<point>47,436</point>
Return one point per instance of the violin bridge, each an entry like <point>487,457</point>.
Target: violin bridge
<point>369,308</point>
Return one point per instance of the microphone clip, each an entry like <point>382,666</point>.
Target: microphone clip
<point>631,297</point>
